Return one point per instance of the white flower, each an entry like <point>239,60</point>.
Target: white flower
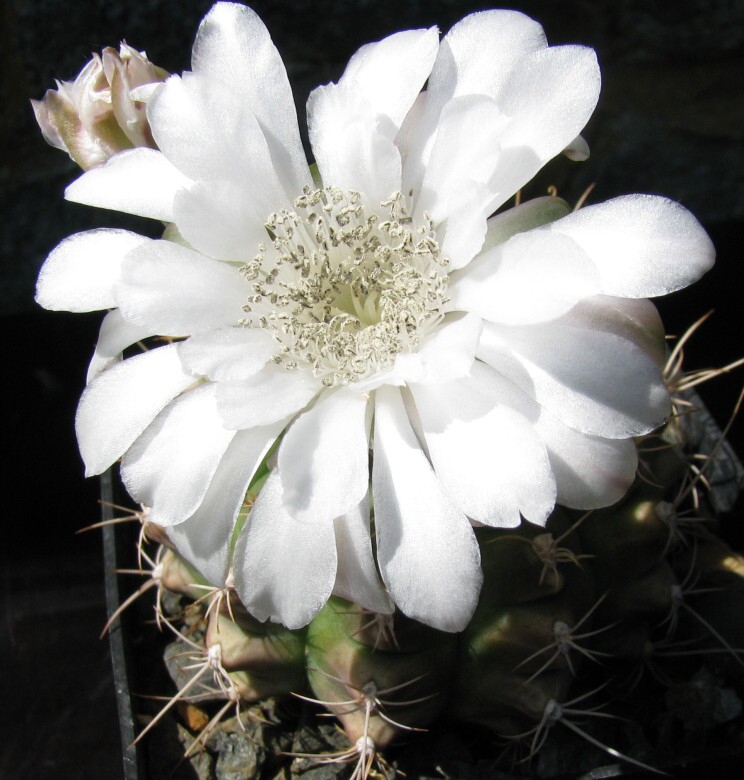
<point>492,366</point>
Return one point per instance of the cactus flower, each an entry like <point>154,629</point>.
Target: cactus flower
<point>491,365</point>
<point>102,112</point>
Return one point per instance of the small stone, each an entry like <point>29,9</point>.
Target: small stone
<point>201,762</point>
<point>239,757</point>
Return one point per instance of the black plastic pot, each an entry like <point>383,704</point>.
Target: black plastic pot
<point>120,647</point>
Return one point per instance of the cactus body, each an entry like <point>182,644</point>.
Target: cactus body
<point>586,598</point>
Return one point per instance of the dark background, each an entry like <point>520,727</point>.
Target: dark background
<point>670,121</point>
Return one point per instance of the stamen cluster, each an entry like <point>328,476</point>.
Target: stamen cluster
<point>347,288</point>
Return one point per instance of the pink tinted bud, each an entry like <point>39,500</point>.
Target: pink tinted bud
<point>102,112</point>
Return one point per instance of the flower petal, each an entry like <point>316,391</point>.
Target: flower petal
<point>119,404</point>
<point>550,96</point>
<point>635,319</point>
<point>445,355</point>
<point>233,45</point>
<point>353,148</point>
<point>208,135</point>
<point>481,440</point>
<point>115,336</point>
<point>176,291</point>
<point>139,181</point>
<point>80,273</point>
<point>476,57</point>
<point>479,54</point>
<point>526,216</point>
<point>228,354</point>
<point>390,73</point>
<point>170,466</point>
<point>538,110</point>
<point>590,472</point>
<point>284,570</point>
<point>271,394</point>
<point>466,224</point>
<point>221,219</point>
<point>577,150</point>
<point>323,461</point>
<point>426,549</point>
<point>357,580</point>
<point>642,245</point>
<point>453,162</point>
<point>533,277</point>
<point>204,539</point>
<point>581,375</point>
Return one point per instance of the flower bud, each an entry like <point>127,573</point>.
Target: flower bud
<point>102,112</point>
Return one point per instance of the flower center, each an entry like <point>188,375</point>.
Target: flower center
<point>346,288</point>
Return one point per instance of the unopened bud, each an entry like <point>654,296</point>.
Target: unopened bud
<point>102,112</point>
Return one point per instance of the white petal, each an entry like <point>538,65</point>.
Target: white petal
<point>115,336</point>
<point>138,181</point>
<point>426,549</point>
<point>210,134</point>
<point>145,92</point>
<point>466,225</point>
<point>171,464</point>
<point>357,580</point>
<point>353,124</point>
<point>390,73</point>
<point>176,291</point>
<point>577,150</point>
<point>532,277</point>
<point>284,570</point>
<point>590,472</point>
<point>550,96</point>
<point>516,166</point>
<point>205,544</point>
<point>546,101</point>
<point>544,98</point>
<point>479,54</point>
<point>480,436</point>
<point>271,394</point>
<point>476,57</point>
<point>455,161</point>
<point>642,245</point>
<point>204,539</point>
<point>353,148</point>
<point>636,320</point>
<point>119,404</point>
<point>233,45</point>
<point>323,460</point>
<point>228,354</point>
<point>80,273</point>
<point>597,382</point>
<point>222,219</point>
<point>407,135</point>
<point>519,219</point>
<point>445,355</point>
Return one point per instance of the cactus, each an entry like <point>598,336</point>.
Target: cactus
<point>394,528</point>
<point>570,615</point>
